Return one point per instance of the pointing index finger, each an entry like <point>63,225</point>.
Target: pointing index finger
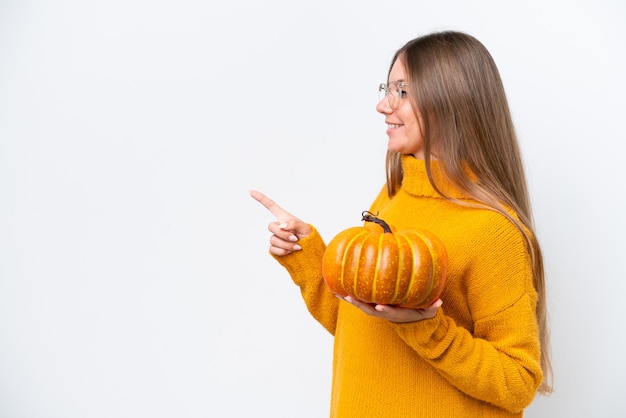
<point>268,203</point>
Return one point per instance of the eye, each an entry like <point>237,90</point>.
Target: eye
<point>402,93</point>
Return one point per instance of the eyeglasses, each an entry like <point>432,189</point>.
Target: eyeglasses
<point>393,92</point>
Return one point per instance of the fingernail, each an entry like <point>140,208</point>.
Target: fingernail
<point>283,226</point>
<point>293,238</point>
<point>297,247</point>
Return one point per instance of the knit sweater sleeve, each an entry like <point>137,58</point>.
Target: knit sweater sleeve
<point>305,269</point>
<point>498,361</point>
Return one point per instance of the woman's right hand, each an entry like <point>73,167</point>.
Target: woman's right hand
<point>286,231</point>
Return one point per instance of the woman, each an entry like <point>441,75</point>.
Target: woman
<point>453,168</point>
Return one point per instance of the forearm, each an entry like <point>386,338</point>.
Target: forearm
<point>499,364</point>
<point>305,268</point>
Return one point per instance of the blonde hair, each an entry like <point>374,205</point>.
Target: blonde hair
<point>455,85</point>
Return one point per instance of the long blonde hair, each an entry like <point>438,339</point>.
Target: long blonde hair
<point>455,85</point>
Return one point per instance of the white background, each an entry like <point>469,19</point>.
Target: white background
<point>134,274</point>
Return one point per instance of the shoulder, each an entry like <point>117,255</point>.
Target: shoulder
<point>487,227</point>
<point>382,196</point>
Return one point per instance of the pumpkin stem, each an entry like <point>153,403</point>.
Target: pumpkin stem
<point>370,217</point>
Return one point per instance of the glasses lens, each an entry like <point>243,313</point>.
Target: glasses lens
<point>392,92</point>
<point>392,95</point>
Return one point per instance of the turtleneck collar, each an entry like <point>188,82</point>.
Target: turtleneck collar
<point>415,179</point>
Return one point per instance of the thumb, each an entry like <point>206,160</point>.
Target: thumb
<point>297,227</point>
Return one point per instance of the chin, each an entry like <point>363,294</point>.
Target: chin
<point>400,150</point>
<point>396,148</point>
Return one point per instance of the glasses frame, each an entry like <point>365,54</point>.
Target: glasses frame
<point>392,92</point>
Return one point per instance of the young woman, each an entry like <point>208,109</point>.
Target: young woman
<point>453,168</point>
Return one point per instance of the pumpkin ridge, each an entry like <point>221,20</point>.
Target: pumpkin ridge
<point>398,270</point>
<point>433,272</point>
<point>343,262</point>
<point>380,254</point>
<point>363,246</point>
<point>399,273</point>
<point>377,268</point>
<point>413,271</point>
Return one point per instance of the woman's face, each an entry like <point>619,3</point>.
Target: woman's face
<point>403,127</point>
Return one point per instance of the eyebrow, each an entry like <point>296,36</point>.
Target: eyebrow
<point>400,81</point>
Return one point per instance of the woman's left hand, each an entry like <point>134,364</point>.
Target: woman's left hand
<point>395,313</point>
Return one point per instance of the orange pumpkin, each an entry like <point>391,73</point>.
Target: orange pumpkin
<point>375,265</point>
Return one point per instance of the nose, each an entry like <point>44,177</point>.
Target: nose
<point>383,106</point>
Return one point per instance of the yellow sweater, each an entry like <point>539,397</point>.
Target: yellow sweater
<point>478,357</point>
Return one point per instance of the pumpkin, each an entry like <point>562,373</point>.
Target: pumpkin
<point>376,265</point>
